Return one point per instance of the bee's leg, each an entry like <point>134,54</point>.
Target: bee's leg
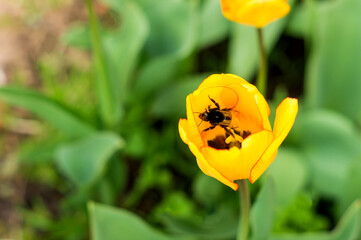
<point>237,132</point>
<point>215,103</point>
<point>228,131</point>
<point>210,128</point>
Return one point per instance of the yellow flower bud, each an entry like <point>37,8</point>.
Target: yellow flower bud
<point>257,13</point>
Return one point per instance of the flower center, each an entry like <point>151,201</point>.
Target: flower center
<point>231,138</point>
<point>225,116</point>
<point>220,127</point>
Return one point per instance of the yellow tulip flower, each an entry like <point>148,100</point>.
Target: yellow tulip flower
<point>257,13</point>
<point>228,130</point>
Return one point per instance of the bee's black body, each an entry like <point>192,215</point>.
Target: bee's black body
<point>217,117</point>
<point>223,118</point>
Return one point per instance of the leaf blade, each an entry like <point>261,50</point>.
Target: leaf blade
<point>47,109</point>
<point>84,161</point>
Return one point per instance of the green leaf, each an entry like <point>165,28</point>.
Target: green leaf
<point>108,223</point>
<point>206,189</point>
<point>262,212</point>
<point>297,25</point>
<point>85,160</point>
<point>171,101</point>
<point>352,186</point>
<point>173,35</point>
<point>35,151</point>
<point>156,73</point>
<point>330,144</point>
<point>300,216</point>
<point>177,204</point>
<point>117,5</point>
<point>122,48</point>
<point>214,26</point>
<point>349,227</point>
<point>112,184</point>
<point>289,174</point>
<point>173,26</point>
<point>102,84</point>
<point>244,53</point>
<point>78,36</point>
<point>221,225</point>
<point>333,71</point>
<point>51,111</point>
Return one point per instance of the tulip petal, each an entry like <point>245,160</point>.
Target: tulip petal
<point>237,163</point>
<point>229,8</point>
<point>221,80</point>
<point>208,169</point>
<point>191,129</point>
<point>264,110</point>
<point>183,129</point>
<point>253,147</point>
<point>226,161</point>
<point>260,13</point>
<point>257,13</point>
<point>285,118</point>
<point>231,91</point>
<point>188,136</point>
<point>201,161</point>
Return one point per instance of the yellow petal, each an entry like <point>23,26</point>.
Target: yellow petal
<point>186,135</point>
<point>230,8</point>
<point>253,147</point>
<point>264,110</point>
<point>230,91</point>
<point>245,92</point>
<point>183,129</point>
<point>228,162</point>
<point>236,163</point>
<point>257,13</point>
<point>192,131</point>
<point>189,139</point>
<point>285,118</point>
<point>221,80</point>
<point>210,170</point>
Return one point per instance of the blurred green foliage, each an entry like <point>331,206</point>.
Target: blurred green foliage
<point>111,135</point>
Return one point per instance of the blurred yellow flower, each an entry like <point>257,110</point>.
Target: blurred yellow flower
<point>228,130</point>
<point>257,13</point>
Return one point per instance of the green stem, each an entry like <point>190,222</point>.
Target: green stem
<point>102,82</point>
<point>243,226</point>
<point>262,72</point>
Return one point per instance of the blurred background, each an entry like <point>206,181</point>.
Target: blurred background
<point>90,99</point>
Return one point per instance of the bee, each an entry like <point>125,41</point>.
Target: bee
<point>217,117</point>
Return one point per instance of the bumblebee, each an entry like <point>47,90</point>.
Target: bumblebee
<point>217,117</point>
<point>222,117</point>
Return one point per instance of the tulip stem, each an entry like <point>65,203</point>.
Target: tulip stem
<point>243,226</point>
<point>262,71</point>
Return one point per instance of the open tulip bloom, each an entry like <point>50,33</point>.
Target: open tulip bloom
<point>257,13</point>
<point>228,130</point>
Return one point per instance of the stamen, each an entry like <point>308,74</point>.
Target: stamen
<point>232,138</point>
